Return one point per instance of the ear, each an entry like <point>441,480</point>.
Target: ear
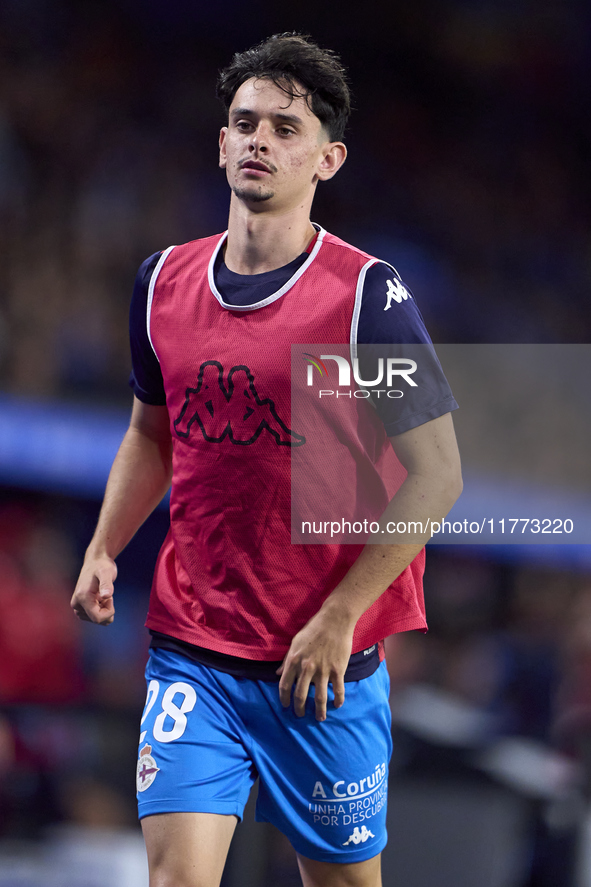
<point>333,156</point>
<point>223,134</point>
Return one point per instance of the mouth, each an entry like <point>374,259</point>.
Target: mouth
<point>255,167</point>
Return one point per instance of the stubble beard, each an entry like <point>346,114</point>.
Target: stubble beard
<point>250,196</point>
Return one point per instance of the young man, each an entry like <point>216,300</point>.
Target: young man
<point>265,656</point>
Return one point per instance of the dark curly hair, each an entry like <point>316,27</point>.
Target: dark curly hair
<point>299,67</point>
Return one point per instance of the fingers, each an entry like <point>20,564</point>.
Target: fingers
<point>338,686</point>
<point>292,672</point>
<point>106,607</point>
<point>81,613</point>
<point>302,681</point>
<point>321,698</point>
<point>106,620</point>
<point>92,600</point>
<point>106,576</point>
<point>321,694</point>
<point>300,694</point>
<point>317,655</point>
<point>93,609</point>
<point>288,676</point>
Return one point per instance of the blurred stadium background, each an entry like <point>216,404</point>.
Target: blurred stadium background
<point>469,171</point>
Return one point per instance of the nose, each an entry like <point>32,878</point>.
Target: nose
<point>259,140</point>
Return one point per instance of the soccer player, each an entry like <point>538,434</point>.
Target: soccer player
<point>266,657</point>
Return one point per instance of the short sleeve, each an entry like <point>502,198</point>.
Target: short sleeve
<point>389,315</point>
<point>146,376</point>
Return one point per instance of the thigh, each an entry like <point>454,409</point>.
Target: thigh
<point>330,874</point>
<point>187,849</point>
<point>324,784</point>
<point>192,757</point>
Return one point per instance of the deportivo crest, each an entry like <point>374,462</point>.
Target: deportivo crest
<point>147,769</point>
<point>233,410</point>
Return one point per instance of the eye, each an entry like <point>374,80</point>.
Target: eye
<point>243,125</point>
<point>285,131</point>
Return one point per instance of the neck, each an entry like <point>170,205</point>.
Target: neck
<point>259,242</point>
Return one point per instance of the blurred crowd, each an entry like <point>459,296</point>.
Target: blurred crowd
<point>69,697</point>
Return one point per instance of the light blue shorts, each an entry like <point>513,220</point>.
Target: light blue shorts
<point>206,736</point>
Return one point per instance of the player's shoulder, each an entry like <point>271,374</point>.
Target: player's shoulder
<point>381,287</point>
<point>179,256</point>
<point>388,311</point>
<point>200,243</point>
<point>192,247</point>
<point>376,271</point>
<point>143,277</point>
<point>345,250</point>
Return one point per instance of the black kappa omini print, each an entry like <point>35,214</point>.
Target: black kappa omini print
<point>235,412</point>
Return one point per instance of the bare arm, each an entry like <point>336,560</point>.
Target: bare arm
<point>138,481</point>
<point>319,653</point>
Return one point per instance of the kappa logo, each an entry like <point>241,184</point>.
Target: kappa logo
<point>232,410</point>
<point>146,769</point>
<point>359,837</point>
<point>396,291</point>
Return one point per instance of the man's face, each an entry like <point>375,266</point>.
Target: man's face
<point>273,149</point>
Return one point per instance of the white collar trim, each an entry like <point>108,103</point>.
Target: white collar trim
<point>274,296</point>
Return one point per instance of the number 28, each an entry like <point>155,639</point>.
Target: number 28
<point>169,709</point>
